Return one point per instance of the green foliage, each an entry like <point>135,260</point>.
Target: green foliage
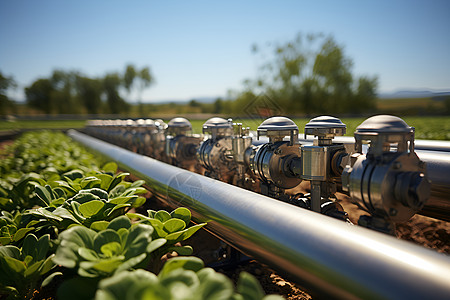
<point>83,200</point>
<point>89,93</point>
<point>181,278</point>
<point>308,74</point>
<point>23,267</point>
<point>173,227</point>
<point>10,231</point>
<point>34,161</point>
<point>120,246</point>
<point>72,92</point>
<point>6,104</point>
<point>59,207</point>
<point>46,153</point>
<point>17,124</point>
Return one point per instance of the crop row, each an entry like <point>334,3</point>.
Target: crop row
<point>70,225</point>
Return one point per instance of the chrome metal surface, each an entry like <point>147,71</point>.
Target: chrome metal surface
<point>325,127</point>
<point>429,145</point>
<point>438,170</point>
<point>276,128</point>
<point>218,127</point>
<point>270,163</point>
<point>179,126</point>
<point>438,166</point>
<point>390,181</point>
<point>384,132</point>
<point>327,256</point>
<point>317,160</point>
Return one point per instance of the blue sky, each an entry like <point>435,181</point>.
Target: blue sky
<point>203,48</point>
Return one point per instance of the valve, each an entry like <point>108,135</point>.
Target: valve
<point>181,144</point>
<point>319,161</point>
<point>138,136</point>
<point>242,144</point>
<point>148,129</point>
<point>127,138</point>
<point>390,181</point>
<point>274,163</point>
<point>154,138</point>
<point>114,131</point>
<point>214,152</point>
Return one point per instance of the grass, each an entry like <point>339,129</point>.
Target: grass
<point>44,124</point>
<point>434,128</point>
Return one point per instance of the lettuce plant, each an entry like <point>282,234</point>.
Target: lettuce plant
<point>181,278</point>
<point>174,227</point>
<point>90,201</point>
<point>9,231</point>
<point>17,194</point>
<point>23,267</point>
<point>120,246</point>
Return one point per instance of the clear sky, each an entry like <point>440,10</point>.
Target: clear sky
<point>203,48</point>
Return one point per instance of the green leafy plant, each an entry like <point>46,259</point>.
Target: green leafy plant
<point>18,193</point>
<point>46,153</point>
<point>23,267</point>
<point>174,227</point>
<point>94,198</point>
<point>181,278</point>
<point>9,232</point>
<point>120,246</point>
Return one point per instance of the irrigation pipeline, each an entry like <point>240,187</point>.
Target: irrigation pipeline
<point>327,256</point>
<point>428,145</point>
<point>436,154</point>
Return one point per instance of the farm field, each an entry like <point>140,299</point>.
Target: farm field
<point>34,124</point>
<point>433,127</point>
<point>63,214</point>
<point>58,179</point>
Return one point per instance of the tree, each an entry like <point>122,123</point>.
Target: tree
<point>64,94</point>
<point>143,76</point>
<point>39,95</point>
<point>72,92</point>
<point>312,74</point>
<point>218,106</point>
<point>194,103</point>
<point>129,77</point>
<point>364,98</point>
<point>6,104</point>
<point>111,84</point>
<point>146,79</point>
<point>90,92</point>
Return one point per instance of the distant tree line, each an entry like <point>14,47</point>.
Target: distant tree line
<point>305,76</point>
<point>7,106</point>
<point>72,92</point>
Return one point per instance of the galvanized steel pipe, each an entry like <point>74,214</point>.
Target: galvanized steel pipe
<point>325,255</point>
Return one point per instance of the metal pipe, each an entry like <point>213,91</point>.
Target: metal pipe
<point>438,167</point>
<point>325,255</point>
<point>429,145</point>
